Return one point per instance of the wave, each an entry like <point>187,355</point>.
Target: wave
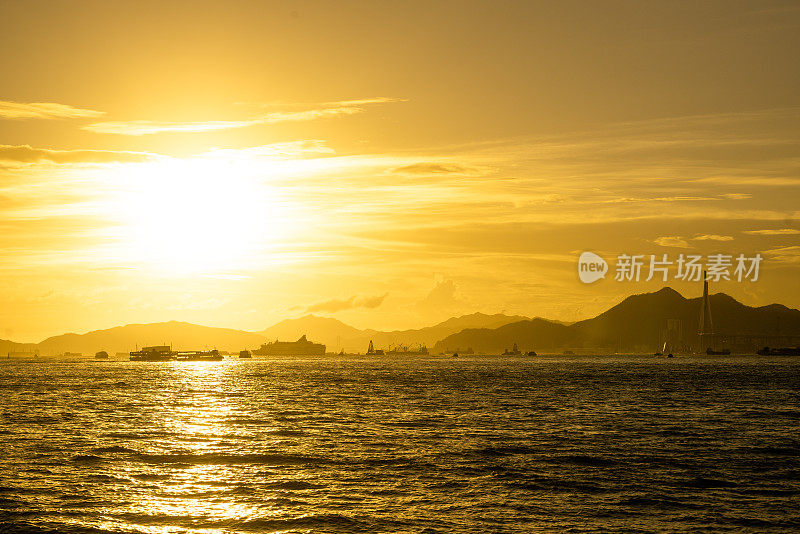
<point>87,458</point>
<point>293,485</point>
<point>506,451</point>
<point>113,448</point>
<point>663,503</point>
<point>137,435</point>
<point>707,483</point>
<point>230,459</point>
<point>584,460</point>
<point>150,477</point>
<point>285,432</point>
<point>309,521</point>
<point>329,520</point>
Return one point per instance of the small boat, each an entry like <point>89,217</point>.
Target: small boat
<point>102,355</point>
<point>372,351</point>
<point>532,353</point>
<point>783,351</point>
<point>723,352</point>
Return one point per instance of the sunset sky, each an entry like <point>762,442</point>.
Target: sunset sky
<point>390,164</point>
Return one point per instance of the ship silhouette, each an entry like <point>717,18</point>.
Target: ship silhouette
<point>301,347</point>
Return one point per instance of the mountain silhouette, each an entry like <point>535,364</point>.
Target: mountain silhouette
<point>636,324</point>
<point>7,346</point>
<point>538,333</point>
<point>338,335</point>
<point>126,338</point>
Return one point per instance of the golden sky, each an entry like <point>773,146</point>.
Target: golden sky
<point>387,164</point>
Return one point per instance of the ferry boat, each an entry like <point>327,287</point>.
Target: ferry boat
<point>164,353</point>
<point>513,352</point>
<point>156,353</point>
<point>199,356</point>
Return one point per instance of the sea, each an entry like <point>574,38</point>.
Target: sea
<point>561,444</point>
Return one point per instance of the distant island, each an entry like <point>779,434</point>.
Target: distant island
<point>640,323</point>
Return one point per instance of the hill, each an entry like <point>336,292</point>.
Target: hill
<point>7,347</point>
<point>541,334</point>
<point>126,338</point>
<point>337,335</point>
<point>636,324</point>
<point>319,329</point>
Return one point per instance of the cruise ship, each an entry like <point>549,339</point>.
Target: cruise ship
<point>301,347</point>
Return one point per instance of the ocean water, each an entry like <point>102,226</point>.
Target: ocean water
<point>550,444</point>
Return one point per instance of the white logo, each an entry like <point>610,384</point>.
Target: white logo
<point>591,267</point>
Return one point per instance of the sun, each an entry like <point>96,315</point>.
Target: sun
<point>198,215</point>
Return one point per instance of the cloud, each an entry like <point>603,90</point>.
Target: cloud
<point>325,110</point>
<point>43,110</point>
<point>672,241</point>
<point>784,254</point>
<point>433,168</point>
<point>337,305</point>
<point>712,237</point>
<point>443,296</point>
<point>737,196</point>
<point>154,127</point>
<point>623,200</point>
<point>782,231</point>
<point>275,150</point>
<point>28,154</point>
<point>313,105</point>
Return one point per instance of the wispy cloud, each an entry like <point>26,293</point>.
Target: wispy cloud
<point>434,168</point>
<point>785,254</point>
<point>43,110</point>
<point>291,149</point>
<point>141,127</point>
<point>28,154</point>
<point>325,110</point>
<point>283,105</point>
<point>712,237</point>
<point>781,231</point>
<point>337,305</point>
<point>672,241</point>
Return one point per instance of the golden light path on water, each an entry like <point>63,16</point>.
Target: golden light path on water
<point>196,424</point>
